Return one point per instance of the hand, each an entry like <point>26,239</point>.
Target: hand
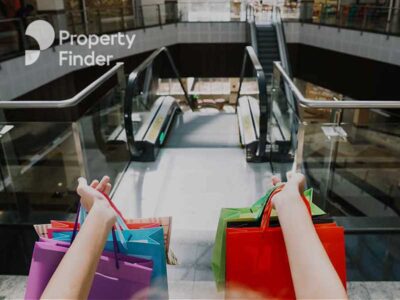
<point>92,197</point>
<point>90,193</point>
<point>294,187</point>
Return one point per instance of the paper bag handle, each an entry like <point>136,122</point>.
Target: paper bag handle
<point>114,238</point>
<point>268,209</point>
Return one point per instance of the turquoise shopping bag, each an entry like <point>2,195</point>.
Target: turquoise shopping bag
<point>146,243</point>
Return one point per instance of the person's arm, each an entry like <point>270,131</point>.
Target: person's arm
<point>74,276</point>
<point>313,274</point>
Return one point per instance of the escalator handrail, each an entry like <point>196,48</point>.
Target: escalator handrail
<point>284,56</point>
<point>263,98</point>
<point>24,104</point>
<point>344,104</point>
<point>144,65</point>
<point>253,36</point>
<point>283,52</point>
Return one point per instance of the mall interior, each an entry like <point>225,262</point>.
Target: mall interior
<point>210,100</point>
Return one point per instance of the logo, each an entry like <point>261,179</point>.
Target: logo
<point>43,33</point>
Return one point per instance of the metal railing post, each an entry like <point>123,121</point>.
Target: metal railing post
<point>159,15</point>
<point>142,15</point>
<point>73,23</point>
<point>122,18</point>
<point>99,24</point>
<point>21,33</point>
<point>364,24</point>
<point>389,17</point>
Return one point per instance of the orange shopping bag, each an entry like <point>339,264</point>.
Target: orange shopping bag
<point>68,226</point>
<point>257,262</point>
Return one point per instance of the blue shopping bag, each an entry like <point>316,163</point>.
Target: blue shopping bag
<point>146,243</point>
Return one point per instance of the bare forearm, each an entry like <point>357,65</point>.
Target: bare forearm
<point>313,274</point>
<point>73,277</point>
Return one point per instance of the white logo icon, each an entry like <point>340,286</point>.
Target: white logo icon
<point>44,34</point>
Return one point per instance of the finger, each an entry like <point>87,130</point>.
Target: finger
<point>108,189</point>
<point>103,183</point>
<point>289,175</point>
<point>88,195</point>
<point>94,183</point>
<point>82,181</point>
<point>298,180</point>
<point>297,177</point>
<point>275,180</point>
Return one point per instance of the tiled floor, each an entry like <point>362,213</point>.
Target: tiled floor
<point>13,287</point>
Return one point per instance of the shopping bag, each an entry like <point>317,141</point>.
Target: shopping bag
<point>147,243</point>
<point>256,258</point>
<point>46,230</point>
<point>132,276</point>
<point>243,217</point>
<point>251,213</point>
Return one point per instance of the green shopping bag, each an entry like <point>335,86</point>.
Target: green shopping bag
<point>244,216</point>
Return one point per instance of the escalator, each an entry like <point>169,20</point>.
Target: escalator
<point>267,46</point>
<point>155,119</point>
<point>268,42</point>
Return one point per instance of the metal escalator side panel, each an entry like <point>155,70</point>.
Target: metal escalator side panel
<point>153,133</point>
<point>162,120</point>
<point>283,126</point>
<point>140,135</point>
<point>254,107</point>
<point>246,125</point>
<point>240,123</point>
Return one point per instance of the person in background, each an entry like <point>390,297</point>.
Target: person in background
<point>313,274</point>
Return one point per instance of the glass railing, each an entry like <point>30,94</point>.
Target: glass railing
<point>47,144</point>
<point>348,151</point>
<point>157,77</point>
<point>115,19</point>
<point>362,17</point>
<point>365,17</point>
<point>210,11</point>
<point>107,20</point>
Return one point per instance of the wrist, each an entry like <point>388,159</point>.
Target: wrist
<point>103,212</point>
<point>285,200</point>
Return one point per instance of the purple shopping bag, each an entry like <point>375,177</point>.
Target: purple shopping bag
<point>132,276</point>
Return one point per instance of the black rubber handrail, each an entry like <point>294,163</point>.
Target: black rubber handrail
<point>131,89</point>
<point>250,53</point>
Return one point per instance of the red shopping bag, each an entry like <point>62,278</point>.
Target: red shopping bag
<point>257,262</point>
